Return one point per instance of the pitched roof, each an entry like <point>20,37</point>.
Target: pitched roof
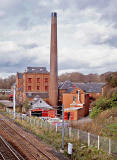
<point>33,94</point>
<point>36,70</point>
<point>65,85</point>
<point>90,87</point>
<point>40,103</point>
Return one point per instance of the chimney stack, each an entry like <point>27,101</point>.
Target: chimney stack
<point>53,85</point>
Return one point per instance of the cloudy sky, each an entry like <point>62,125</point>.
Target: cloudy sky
<point>87,35</point>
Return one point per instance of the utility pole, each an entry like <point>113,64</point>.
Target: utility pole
<point>14,101</point>
<point>63,129</point>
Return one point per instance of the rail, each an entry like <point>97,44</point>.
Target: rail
<point>18,136</point>
<point>7,151</point>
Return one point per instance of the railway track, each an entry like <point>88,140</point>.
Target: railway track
<point>7,152</point>
<point>24,144</point>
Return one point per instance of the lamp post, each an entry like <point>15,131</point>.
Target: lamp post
<point>14,101</point>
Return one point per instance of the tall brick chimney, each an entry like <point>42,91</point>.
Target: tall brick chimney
<point>53,85</point>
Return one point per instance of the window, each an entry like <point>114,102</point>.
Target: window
<point>38,80</point>
<point>38,87</point>
<point>29,80</point>
<point>29,88</point>
<point>46,79</point>
<point>46,88</point>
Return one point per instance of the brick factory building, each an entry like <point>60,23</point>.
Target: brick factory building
<point>76,97</point>
<point>34,81</point>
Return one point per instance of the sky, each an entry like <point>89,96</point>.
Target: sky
<point>87,35</point>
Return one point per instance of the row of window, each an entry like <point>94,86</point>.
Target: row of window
<point>38,80</point>
<point>38,88</point>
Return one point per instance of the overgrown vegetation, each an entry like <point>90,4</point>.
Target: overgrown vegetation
<point>109,99</point>
<point>104,124</point>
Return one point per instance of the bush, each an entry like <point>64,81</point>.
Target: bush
<point>113,100</point>
<point>95,111</point>
<point>99,106</point>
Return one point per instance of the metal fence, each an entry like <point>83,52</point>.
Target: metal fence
<point>106,144</point>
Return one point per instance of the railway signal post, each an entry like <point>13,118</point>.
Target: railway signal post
<point>14,87</point>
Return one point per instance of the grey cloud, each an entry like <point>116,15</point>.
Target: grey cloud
<point>111,41</point>
<point>25,23</point>
<point>72,64</point>
<point>10,67</point>
<point>29,46</point>
<point>83,67</point>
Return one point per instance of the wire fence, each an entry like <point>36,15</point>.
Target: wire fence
<point>106,144</point>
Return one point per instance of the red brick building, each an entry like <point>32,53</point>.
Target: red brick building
<point>77,97</point>
<point>92,88</point>
<point>76,104</point>
<point>34,81</point>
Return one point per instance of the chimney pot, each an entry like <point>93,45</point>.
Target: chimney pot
<point>54,14</point>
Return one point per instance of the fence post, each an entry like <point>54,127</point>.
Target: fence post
<point>41,124</point>
<point>30,120</point>
<point>88,139</point>
<point>78,134</point>
<point>56,127</point>
<point>69,131</point>
<point>34,122</point>
<point>98,142</point>
<point>109,146</point>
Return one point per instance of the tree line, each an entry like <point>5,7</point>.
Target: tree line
<point>6,83</point>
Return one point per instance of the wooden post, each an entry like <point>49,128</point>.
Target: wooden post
<point>56,127</point>
<point>98,142</point>
<point>69,131</point>
<point>109,146</point>
<point>78,134</point>
<point>88,139</point>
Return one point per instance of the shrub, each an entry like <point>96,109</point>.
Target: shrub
<point>113,100</point>
<point>99,106</point>
<point>95,111</point>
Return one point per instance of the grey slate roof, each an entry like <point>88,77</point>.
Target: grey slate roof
<point>19,75</point>
<point>66,85</point>
<point>33,94</point>
<point>90,87</point>
<point>36,70</point>
<point>40,103</point>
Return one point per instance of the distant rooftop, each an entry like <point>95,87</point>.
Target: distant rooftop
<point>36,70</point>
<point>19,75</point>
<point>90,87</point>
<point>33,94</point>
